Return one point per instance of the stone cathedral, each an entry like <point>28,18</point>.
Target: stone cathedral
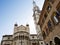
<point>21,36</point>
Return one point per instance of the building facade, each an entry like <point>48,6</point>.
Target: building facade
<point>49,22</point>
<point>21,36</point>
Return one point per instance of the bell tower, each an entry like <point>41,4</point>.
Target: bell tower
<point>36,14</point>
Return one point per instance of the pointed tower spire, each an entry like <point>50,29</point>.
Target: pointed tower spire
<point>35,7</point>
<point>34,4</point>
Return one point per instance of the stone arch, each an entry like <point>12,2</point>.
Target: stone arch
<point>57,40</point>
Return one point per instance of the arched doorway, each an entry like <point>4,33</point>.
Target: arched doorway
<point>35,44</point>
<point>57,41</point>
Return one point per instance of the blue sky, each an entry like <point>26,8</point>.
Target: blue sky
<point>20,11</point>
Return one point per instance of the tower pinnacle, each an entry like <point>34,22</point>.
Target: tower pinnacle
<point>35,7</point>
<point>34,3</point>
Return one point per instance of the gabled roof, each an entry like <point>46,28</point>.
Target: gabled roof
<point>21,27</point>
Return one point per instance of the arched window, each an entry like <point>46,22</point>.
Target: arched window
<point>50,42</point>
<point>34,44</point>
<point>46,44</point>
<point>57,41</point>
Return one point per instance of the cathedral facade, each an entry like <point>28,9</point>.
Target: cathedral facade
<point>21,36</point>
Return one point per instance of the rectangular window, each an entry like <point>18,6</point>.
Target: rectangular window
<point>55,18</point>
<point>47,31</point>
<point>50,25</point>
<point>49,8</point>
<point>45,16</point>
<point>44,35</point>
<point>58,12</point>
<point>58,15</point>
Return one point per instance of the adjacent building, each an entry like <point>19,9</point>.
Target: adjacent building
<point>49,21</point>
